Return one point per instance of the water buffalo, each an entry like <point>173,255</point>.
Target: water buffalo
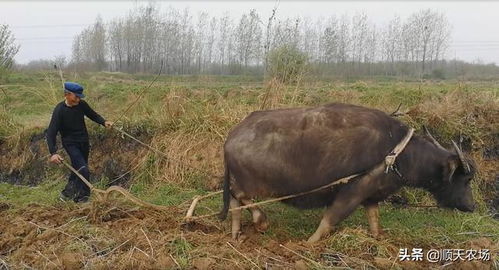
<point>288,151</point>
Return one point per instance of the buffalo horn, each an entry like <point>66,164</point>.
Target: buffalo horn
<point>428,134</point>
<point>466,166</point>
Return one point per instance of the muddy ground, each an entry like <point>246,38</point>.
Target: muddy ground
<point>105,235</point>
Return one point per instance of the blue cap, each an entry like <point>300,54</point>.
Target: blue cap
<point>74,88</point>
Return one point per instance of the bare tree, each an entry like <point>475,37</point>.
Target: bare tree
<point>329,41</point>
<point>97,40</point>
<point>200,41</point>
<point>268,39</point>
<point>170,40</point>
<point>8,47</point>
<point>149,42</point>
<point>426,32</point>
<point>248,39</point>
<point>359,37</point>
<point>60,61</point>
<point>442,37</point>
<point>311,38</point>
<point>370,54</point>
<point>344,40</point>
<point>116,42</point>
<point>391,43</point>
<point>89,47</point>
<point>211,42</point>
<point>223,41</point>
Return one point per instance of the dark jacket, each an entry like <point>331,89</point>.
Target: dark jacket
<point>69,121</point>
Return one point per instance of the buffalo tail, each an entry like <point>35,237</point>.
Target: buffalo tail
<point>226,193</point>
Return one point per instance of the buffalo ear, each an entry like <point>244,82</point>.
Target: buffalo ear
<point>449,168</point>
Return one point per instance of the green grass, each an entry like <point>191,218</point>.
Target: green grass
<point>46,193</point>
<point>422,226</point>
<point>167,194</point>
<point>180,249</point>
<point>431,226</point>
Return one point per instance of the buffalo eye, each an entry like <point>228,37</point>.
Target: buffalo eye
<point>468,180</point>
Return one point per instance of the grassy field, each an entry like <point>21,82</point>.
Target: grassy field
<point>187,118</point>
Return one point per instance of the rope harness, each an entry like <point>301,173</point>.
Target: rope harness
<point>388,164</point>
<point>391,158</point>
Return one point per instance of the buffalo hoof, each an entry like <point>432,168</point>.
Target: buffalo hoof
<point>236,235</point>
<point>322,231</point>
<point>239,238</point>
<point>313,239</point>
<point>242,238</point>
<point>262,226</point>
<point>379,235</point>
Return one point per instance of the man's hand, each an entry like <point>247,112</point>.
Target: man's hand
<point>108,124</point>
<point>56,158</point>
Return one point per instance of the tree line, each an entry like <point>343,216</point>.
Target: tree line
<point>202,44</point>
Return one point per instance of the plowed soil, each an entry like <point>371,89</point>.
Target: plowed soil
<point>118,235</point>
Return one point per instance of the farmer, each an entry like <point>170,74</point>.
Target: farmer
<point>68,119</point>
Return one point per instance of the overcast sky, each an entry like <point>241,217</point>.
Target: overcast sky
<point>45,29</point>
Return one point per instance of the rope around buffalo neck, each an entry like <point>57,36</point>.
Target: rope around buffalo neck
<point>390,159</point>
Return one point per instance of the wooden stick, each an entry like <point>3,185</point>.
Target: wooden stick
<point>195,201</point>
<point>301,256</point>
<point>46,258</point>
<point>89,185</point>
<point>270,257</point>
<point>175,261</point>
<point>4,265</point>
<point>148,256</point>
<point>5,93</point>
<point>59,231</point>
<point>148,241</point>
<point>244,256</point>
<point>120,245</point>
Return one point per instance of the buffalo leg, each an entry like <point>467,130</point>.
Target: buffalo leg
<point>344,204</point>
<point>372,212</point>
<point>236,218</point>
<point>259,217</point>
<point>323,229</point>
<point>351,196</point>
<point>341,208</point>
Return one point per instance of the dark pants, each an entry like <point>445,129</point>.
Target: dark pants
<point>78,153</point>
